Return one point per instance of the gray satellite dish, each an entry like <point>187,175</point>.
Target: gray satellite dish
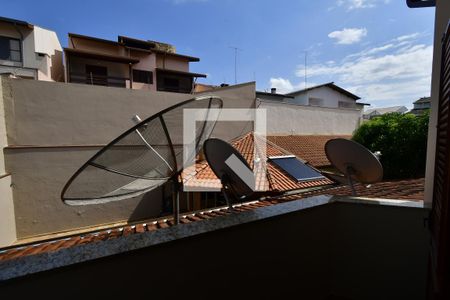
<point>141,159</point>
<point>231,168</point>
<point>355,161</point>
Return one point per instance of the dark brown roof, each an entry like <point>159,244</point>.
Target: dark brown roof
<point>180,72</point>
<point>310,148</point>
<point>190,58</point>
<point>18,22</point>
<point>330,85</point>
<point>119,43</point>
<point>101,56</point>
<point>86,37</point>
<point>274,95</point>
<point>423,100</point>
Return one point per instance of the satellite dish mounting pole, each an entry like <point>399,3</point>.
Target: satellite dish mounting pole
<point>176,200</point>
<point>225,187</point>
<point>350,172</point>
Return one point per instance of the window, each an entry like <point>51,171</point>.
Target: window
<point>143,76</point>
<point>171,82</point>
<point>315,101</point>
<point>10,49</point>
<point>295,168</point>
<point>343,104</point>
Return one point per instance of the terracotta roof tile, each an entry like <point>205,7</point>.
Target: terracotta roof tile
<point>275,180</point>
<point>402,189</point>
<point>310,148</point>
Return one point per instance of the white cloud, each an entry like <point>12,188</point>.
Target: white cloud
<point>285,86</point>
<point>282,85</point>
<point>396,72</point>
<point>358,4</point>
<point>348,36</point>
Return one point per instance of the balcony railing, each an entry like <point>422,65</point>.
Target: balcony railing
<point>94,79</point>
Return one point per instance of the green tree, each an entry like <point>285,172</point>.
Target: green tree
<point>402,140</point>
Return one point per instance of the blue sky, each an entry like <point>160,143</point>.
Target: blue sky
<point>379,49</point>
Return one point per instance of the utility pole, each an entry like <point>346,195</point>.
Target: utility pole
<point>235,62</point>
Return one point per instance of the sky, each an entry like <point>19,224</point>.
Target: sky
<point>381,50</point>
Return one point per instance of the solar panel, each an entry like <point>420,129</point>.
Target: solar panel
<point>295,168</point>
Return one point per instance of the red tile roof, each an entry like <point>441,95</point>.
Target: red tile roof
<point>276,180</point>
<point>310,148</point>
<point>403,189</point>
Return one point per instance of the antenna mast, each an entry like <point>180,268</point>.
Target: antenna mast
<point>235,62</point>
<point>306,68</point>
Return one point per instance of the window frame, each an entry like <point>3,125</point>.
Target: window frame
<point>19,41</point>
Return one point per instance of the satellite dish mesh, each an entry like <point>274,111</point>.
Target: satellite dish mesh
<point>141,159</point>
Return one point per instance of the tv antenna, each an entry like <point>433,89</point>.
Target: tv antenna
<point>306,68</point>
<point>236,49</point>
<point>355,161</point>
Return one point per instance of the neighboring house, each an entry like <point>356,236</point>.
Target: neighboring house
<point>421,105</point>
<point>29,51</point>
<point>326,95</point>
<point>371,113</point>
<point>273,96</point>
<point>128,63</point>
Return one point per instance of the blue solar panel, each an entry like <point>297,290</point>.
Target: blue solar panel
<point>296,169</point>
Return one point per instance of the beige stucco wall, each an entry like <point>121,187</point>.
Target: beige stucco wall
<point>147,62</point>
<point>285,118</point>
<point>172,63</point>
<point>441,21</point>
<point>53,128</point>
<point>7,218</point>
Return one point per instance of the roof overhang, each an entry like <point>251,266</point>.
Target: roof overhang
<point>274,95</point>
<point>101,56</point>
<point>187,74</point>
<point>16,22</point>
<point>420,3</point>
<point>330,85</point>
<point>165,53</point>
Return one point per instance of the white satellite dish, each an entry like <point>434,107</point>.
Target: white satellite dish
<point>355,161</point>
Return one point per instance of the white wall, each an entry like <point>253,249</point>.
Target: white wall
<point>441,21</point>
<point>304,120</point>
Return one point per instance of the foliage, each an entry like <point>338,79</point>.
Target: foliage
<point>402,140</point>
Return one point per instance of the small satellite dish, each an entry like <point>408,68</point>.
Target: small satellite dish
<point>231,168</point>
<point>141,159</point>
<point>355,161</point>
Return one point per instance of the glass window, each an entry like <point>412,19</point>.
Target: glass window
<point>143,76</point>
<point>10,49</point>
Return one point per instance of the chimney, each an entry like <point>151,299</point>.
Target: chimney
<point>273,90</point>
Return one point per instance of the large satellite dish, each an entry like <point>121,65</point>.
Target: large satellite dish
<point>355,161</point>
<point>142,158</point>
<point>231,168</point>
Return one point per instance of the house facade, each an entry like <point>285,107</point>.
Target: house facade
<point>325,95</point>
<point>421,106</point>
<point>371,113</point>
<point>128,63</point>
<point>29,51</point>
